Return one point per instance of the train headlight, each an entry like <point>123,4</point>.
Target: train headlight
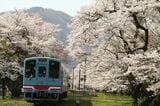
<point>54,88</point>
<point>28,88</point>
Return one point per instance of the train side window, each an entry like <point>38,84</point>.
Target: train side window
<point>30,68</point>
<point>54,68</point>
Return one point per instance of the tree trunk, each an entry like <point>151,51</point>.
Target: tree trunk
<point>3,88</point>
<point>155,101</point>
<point>135,101</point>
<point>134,88</point>
<point>13,87</point>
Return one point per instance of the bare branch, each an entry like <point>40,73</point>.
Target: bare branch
<point>139,26</point>
<point>126,45</point>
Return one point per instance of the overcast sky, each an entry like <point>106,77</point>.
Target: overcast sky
<point>68,6</point>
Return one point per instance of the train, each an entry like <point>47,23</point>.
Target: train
<point>44,79</point>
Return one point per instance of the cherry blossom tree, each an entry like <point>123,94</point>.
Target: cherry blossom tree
<point>22,35</point>
<point>112,31</point>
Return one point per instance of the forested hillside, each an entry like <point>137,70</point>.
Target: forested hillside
<point>55,17</point>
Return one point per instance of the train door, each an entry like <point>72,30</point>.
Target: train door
<point>54,73</point>
<point>42,75</point>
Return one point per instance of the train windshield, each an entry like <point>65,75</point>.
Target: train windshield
<point>42,71</point>
<point>54,68</point>
<point>30,68</point>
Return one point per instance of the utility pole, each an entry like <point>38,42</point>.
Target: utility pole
<point>79,79</point>
<point>73,78</point>
<point>85,74</point>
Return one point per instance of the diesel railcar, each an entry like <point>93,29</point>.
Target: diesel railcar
<point>44,79</point>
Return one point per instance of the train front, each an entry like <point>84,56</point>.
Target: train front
<point>41,79</point>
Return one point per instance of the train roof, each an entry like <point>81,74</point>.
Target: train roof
<point>29,58</point>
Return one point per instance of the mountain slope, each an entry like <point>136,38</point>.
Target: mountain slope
<point>55,17</point>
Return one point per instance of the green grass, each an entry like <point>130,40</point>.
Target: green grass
<point>111,100</point>
<point>102,99</point>
<point>14,102</point>
<point>99,100</point>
